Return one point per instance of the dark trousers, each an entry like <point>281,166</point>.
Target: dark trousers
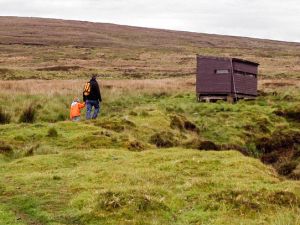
<point>89,106</point>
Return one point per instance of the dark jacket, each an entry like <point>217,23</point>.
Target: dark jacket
<point>94,93</point>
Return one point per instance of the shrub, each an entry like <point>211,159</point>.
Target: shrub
<point>4,117</point>
<point>28,115</point>
<point>52,132</point>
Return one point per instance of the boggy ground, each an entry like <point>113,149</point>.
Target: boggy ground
<point>146,159</point>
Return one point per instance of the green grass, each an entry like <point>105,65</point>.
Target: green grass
<point>116,169</point>
<point>8,217</point>
<point>170,186</point>
<point>142,115</point>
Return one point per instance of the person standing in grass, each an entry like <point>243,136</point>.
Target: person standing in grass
<point>76,106</point>
<point>92,98</point>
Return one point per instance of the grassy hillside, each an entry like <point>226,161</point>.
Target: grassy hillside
<point>59,49</point>
<point>146,159</point>
<point>168,186</point>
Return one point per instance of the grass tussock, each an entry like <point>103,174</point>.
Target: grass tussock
<point>182,123</point>
<point>5,117</point>
<point>277,140</point>
<point>287,168</point>
<point>31,150</point>
<point>28,115</point>
<point>207,145</point>
<point>135,145</point>
<point>116,124</point>
<point>292,113</point>
<point>52,132</point>
<point>164,139</point>
<point>134,200</point>
<point>5,148</point>
<point>245,201</point>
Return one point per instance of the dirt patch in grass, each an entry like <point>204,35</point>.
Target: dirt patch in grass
<point>59,68</point>
<point>242,149</point>
<point>280,149</point>
<point>182,123</point>
<point>208,145</point>
<point>135,145</point>
<point>244,201</point>
<point>287,168</point>
<point>295,174</point>
<point>136,201</point>
<point>177,122</point>
<point>5,71</point>
<point>292,113</point>
<point>198,143</point>
<point>270,158</point>
<point>5,148</point>
<point>163,139</point>
<point>115,124</point>
<point>277,140</point>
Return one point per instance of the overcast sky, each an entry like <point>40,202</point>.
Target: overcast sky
<point>272,19</point>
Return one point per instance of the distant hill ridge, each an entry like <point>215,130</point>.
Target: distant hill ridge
<point>31,45</point>
<point>22,30</point>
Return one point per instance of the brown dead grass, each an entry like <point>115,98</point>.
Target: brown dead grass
<point>279,83</point>
<point>42,48</point>
<point>117,87</point>
<point>53,87</point>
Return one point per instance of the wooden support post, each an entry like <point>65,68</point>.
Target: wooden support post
<point>230,99</point>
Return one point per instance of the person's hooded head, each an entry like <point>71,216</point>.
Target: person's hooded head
<point>94,77</point>
<point>76,99</point>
